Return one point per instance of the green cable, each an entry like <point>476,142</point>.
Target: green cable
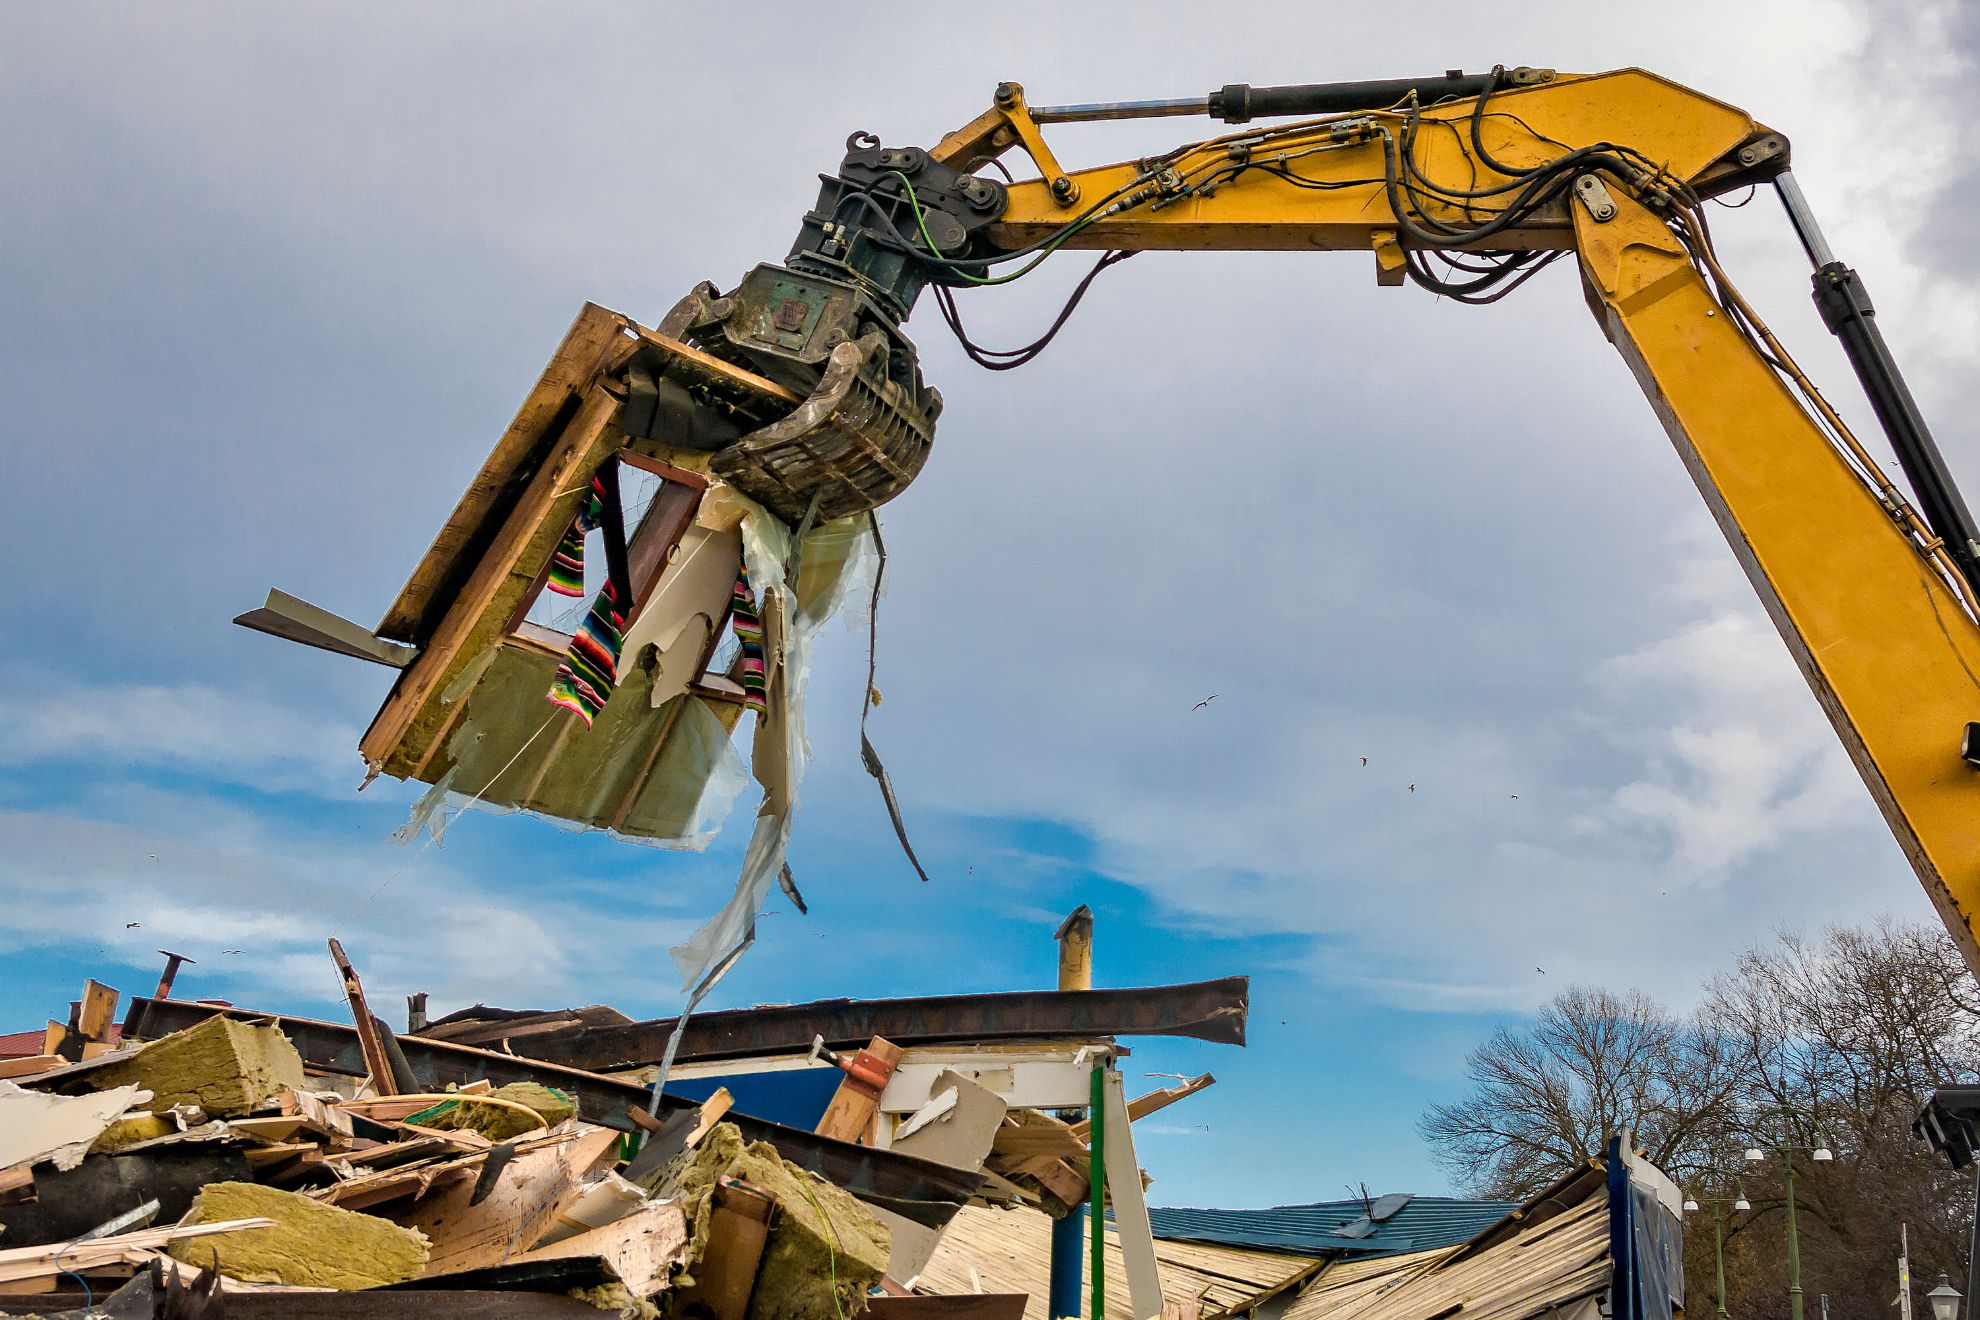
<point>921,222</point>
<point>1096,1182</point>
<point>831,1244</point>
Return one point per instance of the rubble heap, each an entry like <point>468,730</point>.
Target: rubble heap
<point>799,1164</point>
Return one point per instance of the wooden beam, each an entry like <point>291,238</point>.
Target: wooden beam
<point>478,615</point>
<point>856,1103</point>
<point>376,1063</point>
<point>596,342</point>
<point>99,1010</point>
<point>1137,1238</point>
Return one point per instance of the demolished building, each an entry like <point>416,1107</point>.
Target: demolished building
<point>905,1157</point>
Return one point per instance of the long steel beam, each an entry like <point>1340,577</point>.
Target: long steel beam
<point>1204,1010</point>
<point>919,1189</point>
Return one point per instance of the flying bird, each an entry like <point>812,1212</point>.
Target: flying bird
<point>1541,970</point>
<point>1206,701</point>
<point>1412,788</point>
<point>225,952</point>
<point>130,925</point>
<point>1364,760</point>
<point>1514,796</point>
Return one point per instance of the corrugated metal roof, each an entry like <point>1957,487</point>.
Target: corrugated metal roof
<point>1357,1229</point>
<point>1011,1251</point>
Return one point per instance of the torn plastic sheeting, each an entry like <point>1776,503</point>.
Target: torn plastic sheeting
<point>832,560</point>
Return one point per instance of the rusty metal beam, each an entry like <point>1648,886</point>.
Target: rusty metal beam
<point>920,1189</point>
<point>1204,1010</point>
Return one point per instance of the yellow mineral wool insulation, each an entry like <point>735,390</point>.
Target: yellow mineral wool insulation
<point>311,1245</point>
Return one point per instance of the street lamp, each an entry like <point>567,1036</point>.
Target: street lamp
<point>1821,1154</point>
<point>1719,1240</point>
<point>1944,1300</point>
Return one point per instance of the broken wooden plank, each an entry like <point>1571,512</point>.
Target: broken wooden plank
<point>1130,1206</point>
<point>17,1263</point>
<point>1155,1100</point>
<point>406,731</point>
<point>642,1248</point>
<point>535,1186</point>
<point>99,1010</point>
<point>596,341</point>
<point>376,1063</point>
<point>856,1103</point>
<point>29,1065</point>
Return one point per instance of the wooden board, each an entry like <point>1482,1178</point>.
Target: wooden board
<point>853,1108</point>
<point>532,1190</point>
<point>592,343</point>
<point>99,1010</point>
<point>643,1248</point>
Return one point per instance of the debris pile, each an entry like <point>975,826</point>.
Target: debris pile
<point>801,1161</point>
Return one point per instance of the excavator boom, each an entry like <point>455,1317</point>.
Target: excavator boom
<point>1467,186</point>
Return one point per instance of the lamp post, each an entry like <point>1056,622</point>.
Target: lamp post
<point>1719,1238</point>
<point>1821,1155</point>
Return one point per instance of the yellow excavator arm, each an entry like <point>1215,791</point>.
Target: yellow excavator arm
<point>1468,185</point>
<point>1465,185</point>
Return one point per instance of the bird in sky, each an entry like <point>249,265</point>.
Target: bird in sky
<point>130,925</point>
<point>1364,760</point>
<point>1206,701</point>
<point>1514,796</point>
<point>1412,788</point>
<point>225,952</point>
<point>1541,970</point>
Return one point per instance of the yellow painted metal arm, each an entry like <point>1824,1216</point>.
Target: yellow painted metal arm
<point>1875,618</point>
<point>1882,638</point>
<point>1336,198</point>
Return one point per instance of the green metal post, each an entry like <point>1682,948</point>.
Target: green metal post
<point>1794,1245</point>
<point>1719,1249</point>
<point>1096,1185</point>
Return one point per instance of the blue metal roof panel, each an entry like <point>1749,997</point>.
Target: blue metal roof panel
<point>1336,1227</point>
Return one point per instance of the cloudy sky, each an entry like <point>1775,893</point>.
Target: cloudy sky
<point>274,278</point>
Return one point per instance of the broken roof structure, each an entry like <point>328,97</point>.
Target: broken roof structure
<point>1602,1241</point>
<point>801,1163</point>
<point>1350,1230</point>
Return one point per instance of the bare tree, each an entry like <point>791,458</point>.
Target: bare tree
<point>1831,1041</point>
<point>1838,1040</point>
<point>1541,1100</point>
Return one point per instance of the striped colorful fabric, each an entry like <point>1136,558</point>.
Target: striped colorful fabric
<point>567,564</point>
<point>748,625</point>
<point>584,681</point>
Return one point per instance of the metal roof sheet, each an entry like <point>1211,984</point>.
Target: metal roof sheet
<point>1356,1229</point>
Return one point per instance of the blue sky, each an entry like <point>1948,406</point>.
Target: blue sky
<point>276,278</point>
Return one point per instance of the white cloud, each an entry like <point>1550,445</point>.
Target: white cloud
<point>186,726</point>
<point>1750,762</point>
<point>200,885</point>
